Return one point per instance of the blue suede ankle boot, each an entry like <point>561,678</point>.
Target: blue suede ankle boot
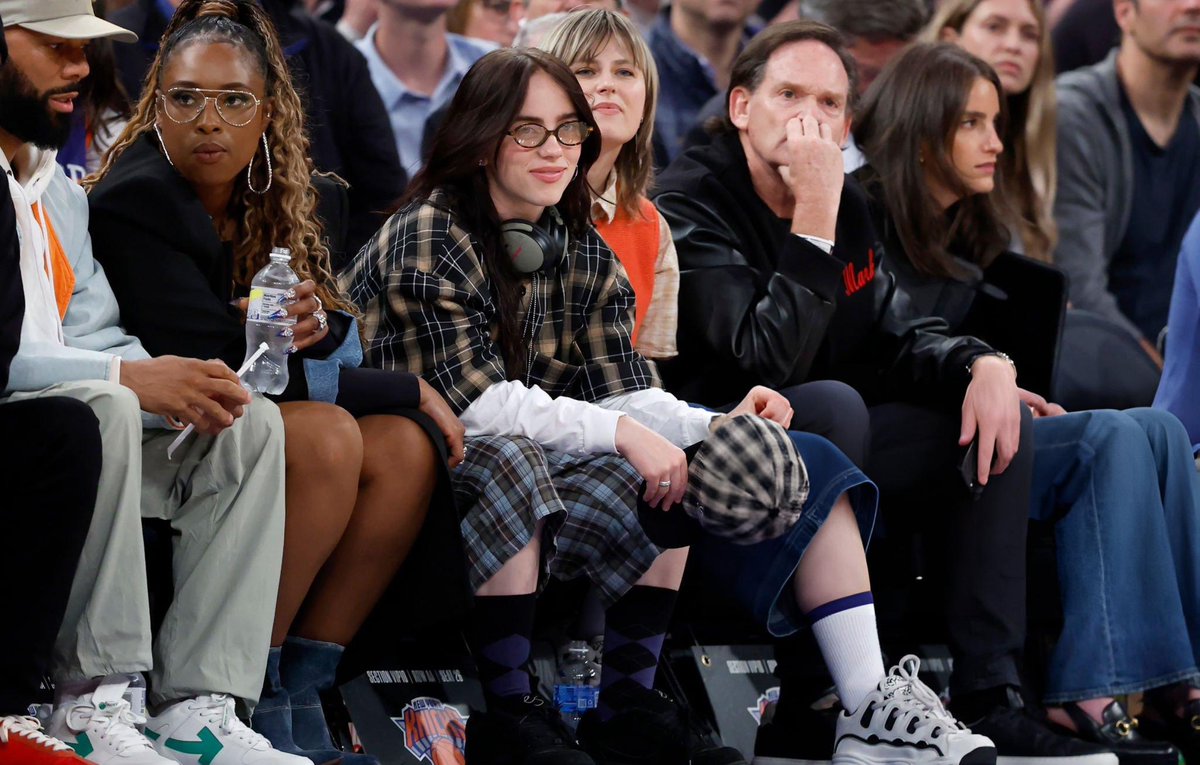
<point>308,667</point>
<point>273,715</point>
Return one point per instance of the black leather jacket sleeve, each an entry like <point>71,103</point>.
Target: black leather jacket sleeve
<point>779,318</point>
<point>769,325</point>
<point>916,357</point>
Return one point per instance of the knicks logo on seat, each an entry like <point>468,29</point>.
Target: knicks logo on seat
<point>434,731</point>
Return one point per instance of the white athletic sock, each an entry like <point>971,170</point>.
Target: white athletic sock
<point>849,642</point>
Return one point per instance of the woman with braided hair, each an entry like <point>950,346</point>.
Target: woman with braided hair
<point>210,174</point>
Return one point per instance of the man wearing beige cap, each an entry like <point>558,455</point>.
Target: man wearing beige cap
<point>68,19</point>
<point>222,494</point>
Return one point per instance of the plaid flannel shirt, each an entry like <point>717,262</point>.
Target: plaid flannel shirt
<point>427,308</point>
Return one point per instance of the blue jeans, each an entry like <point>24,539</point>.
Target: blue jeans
<point>759,576</point>
<point>1125,491</point>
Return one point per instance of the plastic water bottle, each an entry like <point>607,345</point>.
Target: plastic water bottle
<point>265,320</point>
<point>577,689</point>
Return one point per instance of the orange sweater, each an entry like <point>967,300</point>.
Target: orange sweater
<point>634,240</point>
<point>61,274</point>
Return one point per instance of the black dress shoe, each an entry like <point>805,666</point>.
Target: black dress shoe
<point>1021,737</point>
<point>1119,733</point>
<point>649,730</point>
<point>1182,730</point>
<point>521,730</point>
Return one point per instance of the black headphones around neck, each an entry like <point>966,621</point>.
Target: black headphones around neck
<point>537,246</point>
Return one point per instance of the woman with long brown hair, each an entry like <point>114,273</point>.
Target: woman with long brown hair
<point>1012,36</point>
<point>1120,487</point>
<point>491,282</point>
<point>210,174</point>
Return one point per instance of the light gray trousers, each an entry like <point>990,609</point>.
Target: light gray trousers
<point>224,499</point>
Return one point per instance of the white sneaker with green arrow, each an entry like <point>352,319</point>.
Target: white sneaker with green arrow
<point>205,731</point>
<point>102,728</point>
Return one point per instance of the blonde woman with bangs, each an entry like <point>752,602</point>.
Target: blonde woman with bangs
<point>212,171</point>
<point>616,71</point>
<point>1012,37</point>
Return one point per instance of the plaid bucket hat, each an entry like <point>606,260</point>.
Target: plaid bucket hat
<point>747,483</point>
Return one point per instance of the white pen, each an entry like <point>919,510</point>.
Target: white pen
<point>262,348</point>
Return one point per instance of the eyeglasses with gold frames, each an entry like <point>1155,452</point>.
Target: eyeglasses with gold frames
<point>532,135</point>
<point>235,107</point>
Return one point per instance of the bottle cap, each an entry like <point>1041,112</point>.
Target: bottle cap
<point>281,252</point>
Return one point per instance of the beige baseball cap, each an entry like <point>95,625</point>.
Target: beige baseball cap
<point>68,19</point>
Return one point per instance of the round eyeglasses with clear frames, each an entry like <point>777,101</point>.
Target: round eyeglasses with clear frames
<point>532,135</point>
<point>235,107</point>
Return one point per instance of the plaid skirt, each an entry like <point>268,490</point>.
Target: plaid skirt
<point>506,484</point>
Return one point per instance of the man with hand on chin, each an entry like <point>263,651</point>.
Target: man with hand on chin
<point>780,286</point>
<point>223,494</point>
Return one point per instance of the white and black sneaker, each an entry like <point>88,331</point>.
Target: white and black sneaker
<point>903,721</point>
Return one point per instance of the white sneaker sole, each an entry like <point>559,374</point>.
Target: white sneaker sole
<point>883,753</point>
<point>1105,758</point>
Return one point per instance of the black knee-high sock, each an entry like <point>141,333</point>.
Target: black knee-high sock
<point>635,627</point>
<point>501,631</point>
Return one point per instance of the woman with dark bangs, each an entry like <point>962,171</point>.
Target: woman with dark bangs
<point>491,282</point>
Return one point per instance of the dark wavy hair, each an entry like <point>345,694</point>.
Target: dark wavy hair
<point>286,215</point>
<point>476,123</point>
<point>906,128</point>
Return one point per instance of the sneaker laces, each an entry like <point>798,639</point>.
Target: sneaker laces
<point>218,709</point>
<point>113,720</point>
<point>903,689</point>
<point>30,728</point>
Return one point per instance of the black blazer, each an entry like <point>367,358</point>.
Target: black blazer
<point>349,129</point>
<point>173,281</point>
<point>173,277</point>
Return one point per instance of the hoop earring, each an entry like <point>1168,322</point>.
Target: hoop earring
<point>166,153</point>
<point>250,168</point>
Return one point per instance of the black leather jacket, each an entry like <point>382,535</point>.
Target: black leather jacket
<point>759,305</point>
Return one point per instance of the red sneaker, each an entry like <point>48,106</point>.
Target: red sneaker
<point>22,742</point>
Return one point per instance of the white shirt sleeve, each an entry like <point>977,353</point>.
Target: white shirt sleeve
<point>824,245</point>
<point>674,420</point>
<point>559,424</point>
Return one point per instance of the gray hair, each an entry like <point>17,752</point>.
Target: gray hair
<point>533,32</point>
<point>870,19</point>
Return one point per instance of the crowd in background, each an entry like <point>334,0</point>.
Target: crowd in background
<point>713,296</point>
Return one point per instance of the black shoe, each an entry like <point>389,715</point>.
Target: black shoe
<point>1119,734</point>
<point>1022,739</point>
<point>650,730</point>
<point>522,730</point>
<point>800,736</point>
<point>1166,725</point>
<point>707,750</point>
<point>717,755</point>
